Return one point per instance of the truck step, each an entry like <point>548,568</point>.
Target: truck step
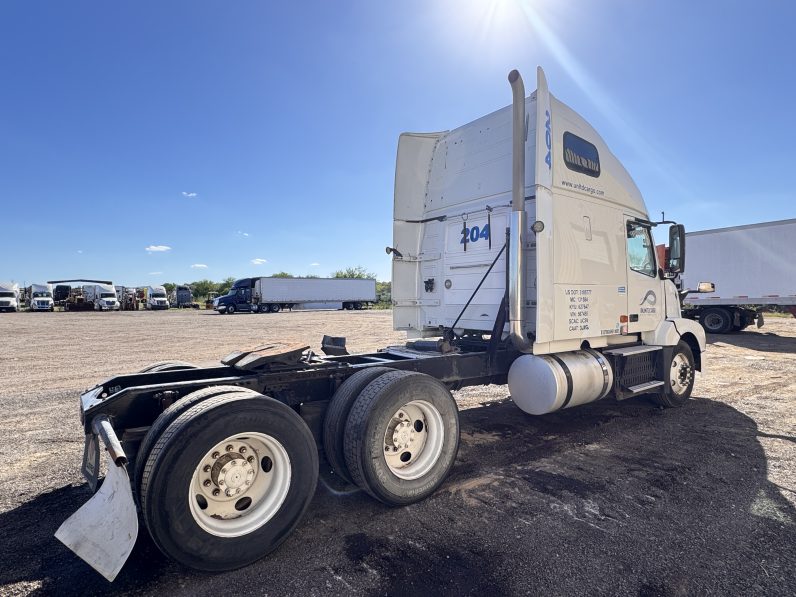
<point>644,387</point>
<point>627,351</point>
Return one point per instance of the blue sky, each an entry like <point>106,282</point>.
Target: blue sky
<point>253,130</point>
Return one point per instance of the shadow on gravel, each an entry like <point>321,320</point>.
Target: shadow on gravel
<point>608,498</point>
<point>756,340</point>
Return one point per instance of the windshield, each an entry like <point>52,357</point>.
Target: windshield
<point>158,295</point>
<point>107,295</point>
<point>7,294</point>
<point>42,295</point>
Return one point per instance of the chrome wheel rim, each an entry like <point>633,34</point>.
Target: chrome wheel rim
<point>413,440</point>
<point>680,374</point>
<point>239,484</point>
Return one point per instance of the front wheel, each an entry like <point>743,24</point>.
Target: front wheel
<point>679,377</point>
<point>228,481</point>
<point>231,310</point>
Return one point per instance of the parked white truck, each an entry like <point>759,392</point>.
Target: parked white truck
<point>521,252</point>
<point>271,295</point>
<point>102,296</point>
<point>40,297</point>
<point>156,299</point>
<point>752,268</point>
<point>9,296</point>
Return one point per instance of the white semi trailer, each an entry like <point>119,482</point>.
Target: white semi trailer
<point>9,296</point>
<point>752,268</point>
<point>40,297</point>
<point>271,295</point>
<point>521,252</point>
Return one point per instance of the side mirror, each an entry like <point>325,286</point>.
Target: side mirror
<point>676,263</point>
<point>706,287</point>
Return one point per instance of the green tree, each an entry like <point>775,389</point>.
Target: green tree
<point>282,275</point>
<point>202,288</point>
<point>353,272</point>
<point>169,286</point>
<point>312,276</point>
<point>223,287</point>
<point>384,293</point>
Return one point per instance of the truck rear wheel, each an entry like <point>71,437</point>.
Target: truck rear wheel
<point>402,437</point>
<point>716,320</point>
<point>228,481</point>
<point>337,415</point>
<point>275,308</point>
<point>679,379</point>
<point>168,416</point>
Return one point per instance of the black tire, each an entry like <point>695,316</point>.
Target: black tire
<point>167,417</point>
<point>365,432</point>
<point>179,450</point>
<point>716,320</point>
<point>254,309</point>
<point>348,306</point>
<point>686,371</point>
<point>337,414</point>
<point>358,306</point>
<point>167,366</point>
<point>276,308</point>
<point>231,310</point>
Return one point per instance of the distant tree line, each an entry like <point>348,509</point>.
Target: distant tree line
<point>203,288</point>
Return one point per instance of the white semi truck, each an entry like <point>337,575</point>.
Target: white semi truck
<point>102,296</point>
<point>156,298</point>
<point>271,295</point>
<point>752,268</point>
<point>521,252</point>
<point>9,296</point>
<point>40,297</point>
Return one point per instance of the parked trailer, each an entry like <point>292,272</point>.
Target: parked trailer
<point>40,297</point>
<point>223,461</point>
<point>9,296</point>
<point>271,295</point>
<point>752,268</point>
<point>183,298</point>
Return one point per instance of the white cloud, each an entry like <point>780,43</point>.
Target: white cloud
<point>155,273</point>
<point>259,261</point>
<point>158,248</point>
<point>314,264</point>
<point>80,251</point>
<point>243,234</point>
<point>189,195</point>
<point>198,266</point>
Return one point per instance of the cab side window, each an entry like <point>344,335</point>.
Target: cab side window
<point>640,250</point>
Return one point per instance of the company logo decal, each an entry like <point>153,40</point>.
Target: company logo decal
<point>649,298</point>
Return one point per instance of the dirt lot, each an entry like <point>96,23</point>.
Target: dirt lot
<point>608,498</point>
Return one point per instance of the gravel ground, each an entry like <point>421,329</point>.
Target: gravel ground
<point>608,498</point>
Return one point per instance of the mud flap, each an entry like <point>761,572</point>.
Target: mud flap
<point>103,531</point>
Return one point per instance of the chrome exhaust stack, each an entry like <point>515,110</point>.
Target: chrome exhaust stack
<point>517,226</point>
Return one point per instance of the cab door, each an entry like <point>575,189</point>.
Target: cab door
<point>645,300</point>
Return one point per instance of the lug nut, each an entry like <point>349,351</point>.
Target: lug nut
<point>228,492</point>
<point>229,448</point>
<point>221,482</point>
<point>206,468</point>
<point>215,455</point>
<point>216,492</point>
<point>242,449</point>
<point>250,459</point>
<point>206,483</point>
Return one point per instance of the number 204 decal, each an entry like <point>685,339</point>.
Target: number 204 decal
<point>474,234</point>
